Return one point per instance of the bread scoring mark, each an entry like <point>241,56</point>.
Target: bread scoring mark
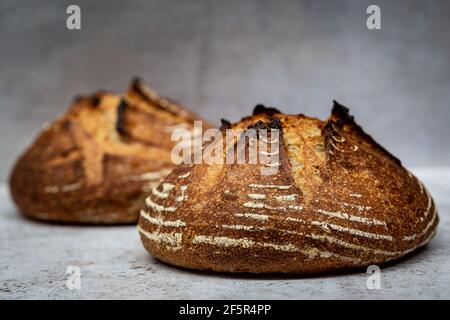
<point>158,207</point>
<point>65,188</point>
<point>242,227</point>
<point>355,232</point>
<point>336,241</point>
<point>359,207</point>
<point>150,185</point>
<point>254,216</point>
<point>326,226</point>
<point>260,205</point>
<point>356,195</point>
<point>424,231</point>
<point>311,253</point>
<point>161,222</point>
<point>223,241</point>
<point>296,220</point>
<point>276,164</point>
<point>256,196</point>
<point>173,239</point>
<point>292,207</point>
<point>184,176</point>
<point>347,216</point>
<point>255,205</point>
<point>166,188</point>
<point>290,197</point>
<point>269,186</point>
<point>183,195</point>
<point>340,140</point>
<point>421,187</point>
<point>334,146</point>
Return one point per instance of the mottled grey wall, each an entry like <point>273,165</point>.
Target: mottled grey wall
<point>222,57</point>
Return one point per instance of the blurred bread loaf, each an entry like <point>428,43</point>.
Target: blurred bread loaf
<point>95,163</point>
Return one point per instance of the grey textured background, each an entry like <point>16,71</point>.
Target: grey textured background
<point>223,57</point>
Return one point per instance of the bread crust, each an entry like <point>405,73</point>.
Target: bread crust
<point>339,201</point>
<point>95,163</point>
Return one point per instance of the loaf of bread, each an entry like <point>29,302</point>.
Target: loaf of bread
<point>338,201</point>
<point>96,162</point>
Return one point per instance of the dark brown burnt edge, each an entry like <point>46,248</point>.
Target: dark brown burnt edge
<point>343,117</point>
<point>136,86</point>
<point>225,124</point>
<point>262,109</point>
<point>120,124</point>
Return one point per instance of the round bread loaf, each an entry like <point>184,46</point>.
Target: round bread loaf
<point>95,163</point>
<point>338,201</point>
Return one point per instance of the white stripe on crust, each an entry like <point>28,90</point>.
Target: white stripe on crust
<point>161,222</point>
<point>290,197</point>
<point>356,206</point>
<point>355,232</point>
<point>254,216</point>
<point>424,231</point>
<point>173,240</point>
<point>157,207</point>
<point>63,189</point>
<point>184,176</point>
<point>347,216</point>
<point>166,188</point>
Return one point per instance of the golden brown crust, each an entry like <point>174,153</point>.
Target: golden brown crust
<point>338,201</point>
<point>96,162</point>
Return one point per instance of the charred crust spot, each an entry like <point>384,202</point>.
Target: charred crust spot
<point>120,124</point>
<point>136,83</point>
<point>95,100</point>
<point>341,112</point>
<point>274,123</point>
<point>328,131</point>
<point>136,86</point>
<point>261,109</point>
<point>225,124</point>
<point>342,117</point>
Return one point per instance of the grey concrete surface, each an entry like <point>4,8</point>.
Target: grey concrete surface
<point>114,265</point>
<point>223,57</point>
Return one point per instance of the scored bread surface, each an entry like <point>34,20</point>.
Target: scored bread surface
<point>96,162</point>
<point>338,201</point>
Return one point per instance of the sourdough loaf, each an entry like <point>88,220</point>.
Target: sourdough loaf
<point>95,163</point>
<point>338,201</point>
